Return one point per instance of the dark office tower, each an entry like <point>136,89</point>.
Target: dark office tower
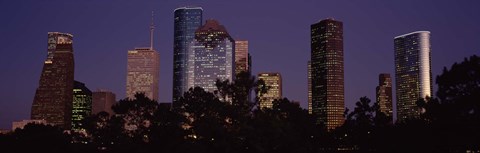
<point>384,94</point>
<point>309,87</point>
<point>53,97</point>
<point>82,105</point>
<point>327,72</point>
<point>413,76</point>
<point>186,21</point>
<point>211,56</point>
<point>103,101</point>
<point>241,56</point>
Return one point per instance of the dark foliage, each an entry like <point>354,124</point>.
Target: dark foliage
<point>227,121</point>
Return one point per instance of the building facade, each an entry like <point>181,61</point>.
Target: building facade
<point>327,72</point>
<point>103,100</point>
<point>242,56</point>
<point>186,21</point>
<point>274,83</point>
<point>211,56</point>
<point>82,104</point>
<point>143,72</point>
<point>309,77</point>
<point>384,94</point>
<point>53,97</point>
<point>413,75</point>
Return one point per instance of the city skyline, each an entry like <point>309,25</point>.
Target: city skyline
<point>112,78</point>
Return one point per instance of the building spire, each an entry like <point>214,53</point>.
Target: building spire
<point>152,27</point>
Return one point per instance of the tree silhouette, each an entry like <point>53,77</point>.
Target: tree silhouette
<point>41,138</point>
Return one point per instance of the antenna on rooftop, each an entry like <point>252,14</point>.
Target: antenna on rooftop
<point>152,27</point>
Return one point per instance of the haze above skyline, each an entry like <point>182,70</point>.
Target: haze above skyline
<point>278,35</point>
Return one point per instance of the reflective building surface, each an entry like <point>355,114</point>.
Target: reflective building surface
<point>327,72</point>
<point>413,76</point>
<point>274,82</point>
<point>82,104</point>
<point>186,21</point>
<point>384,94</point>
<point>211,56</point>
<point>53,97</point>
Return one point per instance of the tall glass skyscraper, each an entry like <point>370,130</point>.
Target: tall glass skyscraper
<point>82,104</point>
<point>211,56</point>
<point>186,21</point>
<point>413,75</point>
<point>53,97</point>
<point>327,72</point>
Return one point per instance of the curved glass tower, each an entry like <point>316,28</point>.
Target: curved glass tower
<point>186,21</point>
<point>413,76</point>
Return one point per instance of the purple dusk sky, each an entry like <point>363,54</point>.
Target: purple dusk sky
<point>278,33</point>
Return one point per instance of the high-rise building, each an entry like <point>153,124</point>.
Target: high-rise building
<point>384,94</point>
<point>413,76</point>
<point>143,70</point>
<point>82,104</point>
<point>142,73</point>
<point>211,56</point>
<point>242,56</point>
<point>309,87</point>
<point>274,82</point>
<point>53,97</point>
<point>103,101</point>
<point>327,72</point>
<point>186,21</point>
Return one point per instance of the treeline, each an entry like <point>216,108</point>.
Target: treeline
<point>227,122</point>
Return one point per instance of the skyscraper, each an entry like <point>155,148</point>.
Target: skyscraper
<point>53,97</point>
<point>274,82</point>
<point>186,21</point>
<point>309,87</point>
<point>327,72</point>
<point>103,101</point>
<point>143,68</point>
<point>384,94</point>
<point>241,56</point>
<point>82,104</point>
<point>142,72</point>
<point>413,76</point>
<point>211,56</point>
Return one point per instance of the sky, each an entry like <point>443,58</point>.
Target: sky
<point>278,33</point>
